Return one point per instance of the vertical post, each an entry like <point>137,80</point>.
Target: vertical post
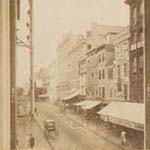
<point>13,73</point>
<point>147,74</point>
<point>31,57</point>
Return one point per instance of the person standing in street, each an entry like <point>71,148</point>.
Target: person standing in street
<point>123,137</point>
<point>31,141</point>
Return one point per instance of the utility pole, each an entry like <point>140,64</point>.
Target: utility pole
<point>13,102</point>
<point>31,56</point>
<point>147,73</point>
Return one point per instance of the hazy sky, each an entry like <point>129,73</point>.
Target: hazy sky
<point>52,18</point>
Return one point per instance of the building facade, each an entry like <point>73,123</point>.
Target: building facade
<point>69,53</point>
<point>106,88</point>
<point>82,75</point>
<point>136,49</point>
<point>4,76</point>
<point>121,74</point>
<point>99,35</point>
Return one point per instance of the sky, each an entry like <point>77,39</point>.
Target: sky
<point>53,18</point>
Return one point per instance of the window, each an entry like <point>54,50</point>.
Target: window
<point>141,64</point>
<point>119,85</point>
<point>103,92</point>
<point>125,66</point>
<point>119,71</point>
<point>99,91</point>
<point>100,75</point>
<point>140,35</point>
<point>134,64</point>
<point>100,58</point>
<point>134,37</point>
<point>103,57</point>
<point>134,15</point>
<point>89,46</point>
<point>103,74</point>
<point>111,92</point>
<point>141,8</point>
<point>110,73</point>
<point>92,74</point>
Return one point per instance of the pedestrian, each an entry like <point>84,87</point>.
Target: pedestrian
<point>123,137</point>
<point>31,141</point>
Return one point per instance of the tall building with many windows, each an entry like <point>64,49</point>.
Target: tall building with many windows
<point>136,49</point>
<point>121,64</point>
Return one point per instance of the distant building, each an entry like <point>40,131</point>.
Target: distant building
<point>41,81</point>
<point>121,63</point>
<point>69,53</point>
<point>53,81</point>
<point>136,49</point>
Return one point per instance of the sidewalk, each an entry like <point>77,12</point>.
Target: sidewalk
<point>26,127</point>
<point>110,135</point>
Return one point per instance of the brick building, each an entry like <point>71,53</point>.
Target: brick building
<point>121,63</point>
<point>136,49</point>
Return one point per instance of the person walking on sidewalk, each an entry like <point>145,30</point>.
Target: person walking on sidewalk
<point>31,141</point>
<point>123,137</point>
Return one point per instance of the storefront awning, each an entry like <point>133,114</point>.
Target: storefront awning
<point>82,103</point>
<point>91,105</point>
<point>71,96</point>
<point>126,114</point>
<point>88,104</point>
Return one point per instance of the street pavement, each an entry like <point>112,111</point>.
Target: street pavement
<point>72,136</point>
<point>26,126</point>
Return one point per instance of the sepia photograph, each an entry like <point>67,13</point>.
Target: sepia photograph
<point>74,74</point>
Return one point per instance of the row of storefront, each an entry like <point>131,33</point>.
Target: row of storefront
<point>124,114</point>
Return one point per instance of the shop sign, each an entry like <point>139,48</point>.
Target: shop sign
<point>126,123</point>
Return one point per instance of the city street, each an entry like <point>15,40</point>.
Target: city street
<point>72,136</point>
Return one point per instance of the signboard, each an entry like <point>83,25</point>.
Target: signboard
<point>126,123</point>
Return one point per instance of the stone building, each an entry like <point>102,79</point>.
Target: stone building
<point>121,64</point>
<point>69,54</point>
<point>99,35</point>
<point>105,54</point>
<point>136,49</point>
